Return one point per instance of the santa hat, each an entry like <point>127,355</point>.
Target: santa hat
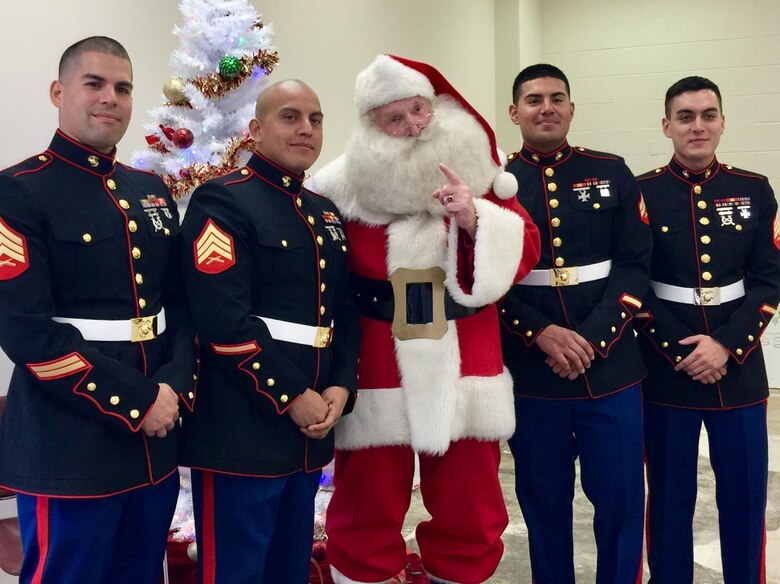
<point>390,78</point>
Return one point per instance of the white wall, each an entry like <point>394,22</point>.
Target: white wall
<point>518,43</point>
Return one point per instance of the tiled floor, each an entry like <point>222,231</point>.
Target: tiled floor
<point>514,567</point>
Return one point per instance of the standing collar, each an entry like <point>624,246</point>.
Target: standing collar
<point>693,176</point>
<point>555,157</point>
<point>282,179</point>
<point>82,156</point>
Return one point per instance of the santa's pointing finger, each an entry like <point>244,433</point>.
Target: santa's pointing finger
<point>456,198</point>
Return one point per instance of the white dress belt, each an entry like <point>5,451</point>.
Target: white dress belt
<point>144,328</point>
<point>302,334</point>
<point>570,276</point>
<point>699,296</point>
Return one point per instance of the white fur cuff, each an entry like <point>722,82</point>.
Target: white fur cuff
<point>498,249</point>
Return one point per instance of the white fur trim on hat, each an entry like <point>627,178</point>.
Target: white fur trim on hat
<point>387,80</point>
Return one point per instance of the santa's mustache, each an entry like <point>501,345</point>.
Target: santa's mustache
<point>381,145</point>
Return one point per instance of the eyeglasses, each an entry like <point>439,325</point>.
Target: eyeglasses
<point>399,125</point>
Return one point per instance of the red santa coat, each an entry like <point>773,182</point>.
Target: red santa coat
<point>427,393</point>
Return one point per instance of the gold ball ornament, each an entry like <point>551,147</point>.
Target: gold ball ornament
<point>174,90</point>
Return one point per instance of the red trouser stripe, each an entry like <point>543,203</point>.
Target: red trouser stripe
<point>208,553</point>
<point>42,527</point>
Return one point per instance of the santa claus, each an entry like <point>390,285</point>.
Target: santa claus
<point>436,238</point>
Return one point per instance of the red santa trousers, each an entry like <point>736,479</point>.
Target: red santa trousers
<point>460,489</point>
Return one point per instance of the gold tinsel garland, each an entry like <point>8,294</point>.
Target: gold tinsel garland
<point>214,85</point>
<point>190,177</point>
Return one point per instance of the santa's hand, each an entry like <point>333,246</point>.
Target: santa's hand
<point>456,198</point>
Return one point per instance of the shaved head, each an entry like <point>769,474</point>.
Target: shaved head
<point>270,93</point>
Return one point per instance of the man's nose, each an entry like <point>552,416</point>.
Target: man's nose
<point>414,128</point>
<point>108,95</point>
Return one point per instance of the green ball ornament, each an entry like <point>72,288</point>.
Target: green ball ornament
<point>229,67</point>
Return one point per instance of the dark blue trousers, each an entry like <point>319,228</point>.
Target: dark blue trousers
<point>606,435</point>
<point>119,539</point>
<point>739,458</point>
<point>254,530</point>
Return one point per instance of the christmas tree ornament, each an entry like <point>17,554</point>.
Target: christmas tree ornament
<point>229,67</point>
<point>183,138</point>
<point>174,90</point>
<point>319,551</point>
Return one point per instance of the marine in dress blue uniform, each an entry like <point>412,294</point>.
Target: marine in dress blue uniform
<point>266,276</point>
<point>89,251</point>
<point>92,318</point>
<point>715,273</point>
<point>589,281</point>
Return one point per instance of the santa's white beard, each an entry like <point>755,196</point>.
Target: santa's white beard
<point>397,176</point>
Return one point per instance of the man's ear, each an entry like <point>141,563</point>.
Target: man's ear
<point>256,130</point>
<point>665,127</point>
<point>513,114</point>
<point>55,92</point>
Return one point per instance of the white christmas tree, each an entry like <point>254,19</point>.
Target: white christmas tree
<point>223,61</point>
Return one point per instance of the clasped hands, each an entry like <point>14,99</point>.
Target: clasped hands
<point>316,414</point>
<point>707,362</point>
<point>569,354</point>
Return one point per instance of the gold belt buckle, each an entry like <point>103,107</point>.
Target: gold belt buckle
<point>143,329</point>
<point>564,277</point>
<point>401,329</point>
<point>323,337</point>
<point>706,296</point>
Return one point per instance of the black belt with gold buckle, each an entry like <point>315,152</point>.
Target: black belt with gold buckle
<point>375,300</point>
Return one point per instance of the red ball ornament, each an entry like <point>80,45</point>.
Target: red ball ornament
<point>318,551</point>
<point>183,138</point>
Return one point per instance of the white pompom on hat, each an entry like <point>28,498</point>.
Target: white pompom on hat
<point>390,78</point>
